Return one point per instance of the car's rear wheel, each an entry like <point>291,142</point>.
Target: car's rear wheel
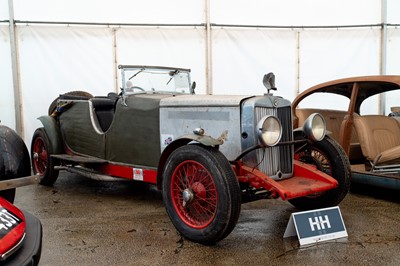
<point>201,193</point>
<point>14,159</point>
<point>42,163</point>
<point>329,157</point>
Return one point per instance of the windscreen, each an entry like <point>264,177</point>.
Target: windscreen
<point>155,80</point>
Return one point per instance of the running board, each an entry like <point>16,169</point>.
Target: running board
<point>86,172</point>
<point>79,159</point>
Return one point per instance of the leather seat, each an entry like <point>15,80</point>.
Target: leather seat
<point>104,109</point>
<point>379,138</point>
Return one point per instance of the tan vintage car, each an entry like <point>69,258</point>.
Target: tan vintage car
<point>371,141</point>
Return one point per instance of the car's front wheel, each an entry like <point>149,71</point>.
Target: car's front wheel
<point>42,163</point>
<point>201,193</point>
<point>329,157</point>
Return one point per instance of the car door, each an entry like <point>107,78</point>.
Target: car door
<point>134,135</point>
<point>78,130</point>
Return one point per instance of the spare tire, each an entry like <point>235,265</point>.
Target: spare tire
<point>83,94</point>
<point>14,159</point>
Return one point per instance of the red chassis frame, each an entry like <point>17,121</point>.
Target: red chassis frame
<point>306,180</point>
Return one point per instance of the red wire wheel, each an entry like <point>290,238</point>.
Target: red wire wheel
<point>201,193</point>
<point>329,157</point>
<point>194,194</point>
<point>40,160</point>
<point>42,163</point>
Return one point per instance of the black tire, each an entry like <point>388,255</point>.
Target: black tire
<point>14,159</point>
<point>42,163</point>
<point>330,158</point>
<point>53,104</point>
<point>211,188</point>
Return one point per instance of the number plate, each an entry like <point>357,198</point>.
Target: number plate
<point>8,221</point>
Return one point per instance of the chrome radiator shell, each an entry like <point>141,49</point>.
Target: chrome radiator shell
<point>277,161</point>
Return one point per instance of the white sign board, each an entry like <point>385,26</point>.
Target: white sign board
<point>316,225</point>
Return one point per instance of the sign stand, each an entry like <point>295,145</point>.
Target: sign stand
<point>316,226</point>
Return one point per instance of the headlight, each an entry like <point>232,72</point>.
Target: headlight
<point>269,130</point>
<point>314,127</point>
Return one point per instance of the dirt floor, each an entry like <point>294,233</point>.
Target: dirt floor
<point>88,222</point>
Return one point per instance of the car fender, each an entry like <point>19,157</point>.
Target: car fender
<point>181,141</point>
<point>53,133</point>
<point>298,133</point>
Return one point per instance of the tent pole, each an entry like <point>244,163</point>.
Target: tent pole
<point>15,72</point>
<point>209,89</point>
<point>383,55</point>
<point>297,92</point>
<point>115,59</point>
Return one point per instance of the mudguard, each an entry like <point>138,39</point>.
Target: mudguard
<point>299,132</point>
<point>184,140</point>
<point>204,139</point>
<point>14,160</point>
<point>53,133</point>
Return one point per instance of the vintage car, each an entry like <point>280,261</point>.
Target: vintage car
<point>20,231</point>
<point>207,153</point>
<point>371,140</point>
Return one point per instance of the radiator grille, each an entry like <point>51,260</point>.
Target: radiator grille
<point>277,161</point>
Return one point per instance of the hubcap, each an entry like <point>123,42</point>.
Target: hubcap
<point>187,196</point>
<point>39,156</point>
<point>194,194</point>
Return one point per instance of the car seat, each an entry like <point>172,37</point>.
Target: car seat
<point>379,138</point>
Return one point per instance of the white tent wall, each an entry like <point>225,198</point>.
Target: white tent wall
<point>56,58</point>
<point>177,47</point>
<point>337,53</point>
<point>116,11</point>
<point>7,108</point>
<point>295,12</point>
<point>393,58</point>
<point>393,7</point>
<point>242,56</point>
<point>393,65</point>
<point>3,10</point>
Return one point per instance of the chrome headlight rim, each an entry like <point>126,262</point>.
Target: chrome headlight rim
<point>314,127</point>
<point>269,130</point>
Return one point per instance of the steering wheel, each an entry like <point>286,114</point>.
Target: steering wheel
<point>137,87</point>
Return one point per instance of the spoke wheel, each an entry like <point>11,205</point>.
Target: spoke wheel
<point>42,163</point>
<point>194,194</point>
<point>329,157</point>
<point>201,193</point>
<point>40,160</point>
<point>316,157</point>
